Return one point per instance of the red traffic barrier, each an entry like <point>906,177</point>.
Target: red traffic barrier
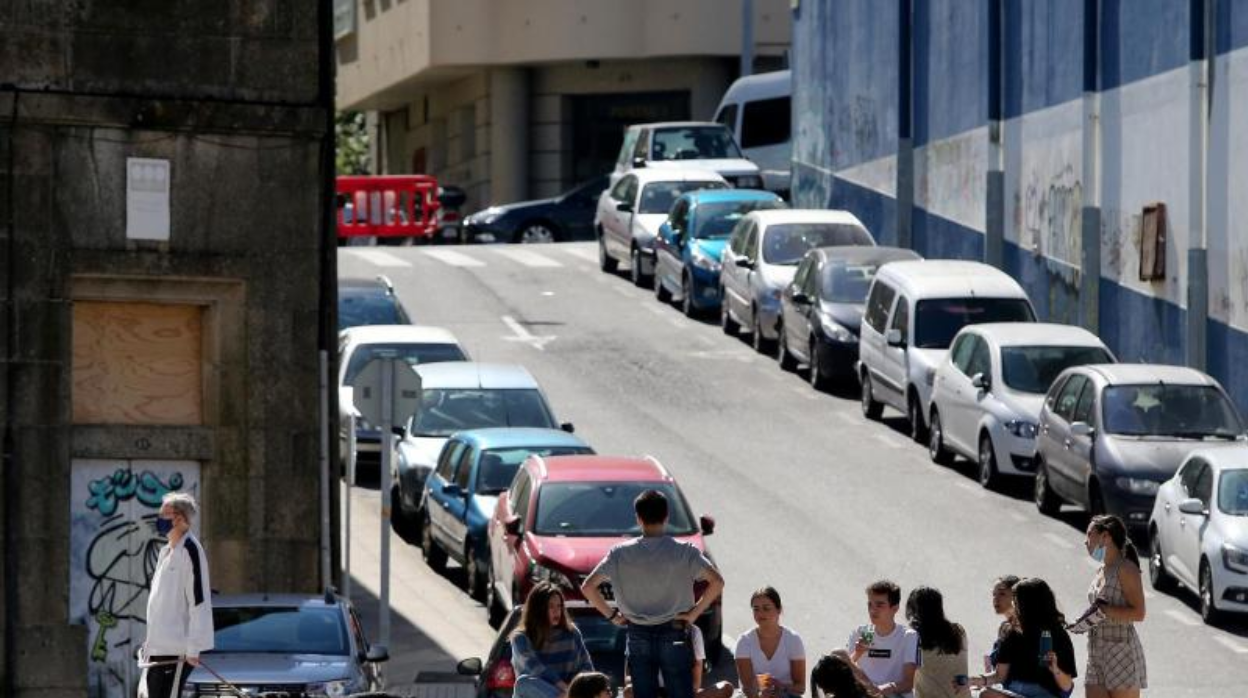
<point>387,206</point>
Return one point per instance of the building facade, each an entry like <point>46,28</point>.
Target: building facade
<point>1088,147</point>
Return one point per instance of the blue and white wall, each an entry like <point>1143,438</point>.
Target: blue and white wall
<point>1035,68</point>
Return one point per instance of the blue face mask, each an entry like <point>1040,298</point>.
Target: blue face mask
<point>164,526</point>
<point>1098,553</point>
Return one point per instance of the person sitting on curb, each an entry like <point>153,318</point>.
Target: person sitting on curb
<point>836,676</point>
<point>770,650</point>
<point>547,650</point>
<point>886,651</point>
<point>590,684</point>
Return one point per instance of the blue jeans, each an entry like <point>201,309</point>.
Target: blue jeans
<point>665,649</point>
<point>1029,689</point>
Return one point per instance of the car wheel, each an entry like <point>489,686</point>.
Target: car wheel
<point>726,323</point>
<point>918,430</point>
<point>640,279</point>
<point>757,339</point>
<point>606,262</point>
<point>871,409</point>
<point>475,579</point>
<point>1047,501</point>
<point>1208,610</point>
<point>434,555</point>
<point>1157,572</point>
<point>400,519</point>
<point>936,442</point>
<point>989,476</point>
<point>814,370</point>
<point>493,606</point>
<point>783,357</point>
<point>686,297</point>
<point>661,294</point>
<point>536,232</point>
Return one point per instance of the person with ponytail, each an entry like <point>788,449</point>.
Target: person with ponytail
<point>1115,666</point>
<point>1037,658</point>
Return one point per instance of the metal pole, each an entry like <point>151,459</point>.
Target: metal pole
<point>326,569</point>
<point>387,448</point>
<point>346,519</point>
<point>747,37</point>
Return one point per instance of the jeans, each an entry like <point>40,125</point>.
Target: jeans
<point>1029,689</point>
<point>665,649</point>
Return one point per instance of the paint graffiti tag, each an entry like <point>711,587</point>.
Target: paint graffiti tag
<point>1050,214</point>
<point>123,485</point>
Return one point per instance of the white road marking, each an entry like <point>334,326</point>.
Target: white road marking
<point>548,293</point>
<point>520,333</point>
<point>380,258</point>
<point>527,257</point>
<point>1184,618</point>
<point>582,253</point>
<point>1232,645</point>
<point>1060,541</point>
<point>455,259</point>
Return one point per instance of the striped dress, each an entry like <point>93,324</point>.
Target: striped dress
<point>539,672</point>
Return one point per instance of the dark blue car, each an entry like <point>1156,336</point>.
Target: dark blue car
<point>460,494</point>
<point>691,242</point>
<point>569,216</point>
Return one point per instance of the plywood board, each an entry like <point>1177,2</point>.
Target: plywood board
<point>137,363</point>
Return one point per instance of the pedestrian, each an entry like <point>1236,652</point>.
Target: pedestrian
<point>1036,659</point>
<point>179,603</point>
<point>1116,666</point>
<point>652,577</point>
<point>547,650</point>
<point>721,689</point>
<point>590,684</point>
<point>942,669</point>
<point>886,651</point>
<point>770,652</point>
<point>1002,605</point>
<point>835,675</point>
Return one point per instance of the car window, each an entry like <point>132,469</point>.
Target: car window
<point>693,143</point>
<point>727,116</point>
<point>1068,399</point>
<point>1033,369</point>
<point>938,320</point>
<point>448,459</point>
<point>844,282</point>
<point>1233,492</point>
<point>1170,409</point>
<point>980,361</point>
<point>626,149</point>
<point>444,411</point>
<point>751,244</point>
<point>765,122</point>
<point>372,307</point>
<point>498,466</point>
<point>620,191</point>
<point>811,285</point>
<point>520,504</point>
<point>643,145</point>
<point>463,470</point>
<point>901,318</point>
<point>658,197</point>
<point>357,631</point>
<point>280,629</point>
<point>1189,475</point>
<point>878,305</point>
<point>803,272</point>
<point>680,216</point>
<point>736,243</point>
<point>786,243</point>
<point>1087,400</point>
<point>960,354</point>
<point>1204,486</point>
<point>717,220</point>
<point>603,509</point>
<point>410,353</point>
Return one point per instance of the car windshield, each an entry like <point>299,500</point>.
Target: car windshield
<point>787,243</point>
<point>372,308</point>
<point>279,630</point>
<point>939,319</point>
<point>715,221</point>
<point>413,354</point>
<point>444,411</point>
<point>847,283</point>
<point>693,143</point>
<point>658,197</point>
<point>603,509</point>
<point>1033,369</point>
<point>1233,492</point>
<point>1175,410</point>
<point>499,465</point>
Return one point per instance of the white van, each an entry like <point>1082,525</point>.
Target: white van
<point>913,311</point>
<point>757,110</point>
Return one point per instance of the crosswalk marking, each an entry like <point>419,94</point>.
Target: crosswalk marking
<point>1230,644</point>
<point>585,253</point>
<point>380,258</point>
<point>455,259</point>
<point>528,258</point>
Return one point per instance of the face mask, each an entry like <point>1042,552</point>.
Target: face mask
<point>164,526</point>
<point>1098,553</point>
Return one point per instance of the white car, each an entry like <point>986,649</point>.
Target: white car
<point>989,390</point>
<point>758,109</point>
<point>358,345</point>
<point>705,145</point>
<point>1199,530</point>
<point>630,212</point>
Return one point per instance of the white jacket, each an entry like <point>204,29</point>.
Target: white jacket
<point>179,605</point>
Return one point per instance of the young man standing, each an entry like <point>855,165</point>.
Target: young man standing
<point>652,578</point>
<point>886,651</point>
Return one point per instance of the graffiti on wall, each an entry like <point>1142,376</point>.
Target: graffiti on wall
<point>1048,214</point>
<point>113,552</point>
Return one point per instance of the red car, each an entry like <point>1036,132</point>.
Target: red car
<point>563,513</point>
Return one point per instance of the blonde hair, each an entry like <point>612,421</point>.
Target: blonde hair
<point>182,503</point>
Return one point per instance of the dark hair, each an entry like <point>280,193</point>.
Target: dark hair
<point>535,619</point>
<point>651,507</point>
<point>771,594</point>
<point>925,609</point>
<point>1037,608</point>
<point>589,684</point>
<point>885,587</point>
<point>834,675</point>
<point>1006,580</point>
<point>1117,530</point>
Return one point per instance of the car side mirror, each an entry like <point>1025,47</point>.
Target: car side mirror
<point>568,427</point>
<point>624,206</point>
<point>450,489</point>
<point>512,526</point>
<point>1082,429</point>
<point>1192,506</point>
<point>707,523</point>
<point>894,338</point>
<point>801,298</point>
<point>469,667</point>
<point>377,653</point>
<point>745,262</point>
<point>981,382</point>
<point>399,431</point>
<point>639,162</point>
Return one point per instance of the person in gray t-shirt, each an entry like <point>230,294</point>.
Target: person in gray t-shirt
<point>652,578</point>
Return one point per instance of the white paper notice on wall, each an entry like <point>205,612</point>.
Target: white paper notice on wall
<point>147,199</point>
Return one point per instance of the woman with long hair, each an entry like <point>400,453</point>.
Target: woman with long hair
<point>770,650</point>
<point>1037,658</point>
<point>1002,605</point>
<point>1116,667</point>
<point>836,676</point>
<point>942,646</point>
<point>546,649</point>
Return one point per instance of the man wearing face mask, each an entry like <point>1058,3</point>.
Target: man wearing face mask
<point>179,604</point>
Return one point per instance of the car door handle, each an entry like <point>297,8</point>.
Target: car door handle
<point>1067,443</point>
<point>1167,507</point>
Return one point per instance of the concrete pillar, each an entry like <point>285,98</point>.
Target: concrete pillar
<point>509,135</point>
<point>1203,58</point>
<point>994,218</point>
<point>905,117</point>
<point>1090,231</point>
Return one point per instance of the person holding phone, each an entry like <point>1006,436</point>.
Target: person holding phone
<point>1023,669</point>
<point>1116,667</point>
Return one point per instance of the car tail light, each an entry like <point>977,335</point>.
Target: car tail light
<point>502,676</point>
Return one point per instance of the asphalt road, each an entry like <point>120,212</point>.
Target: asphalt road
<point>809,497</point>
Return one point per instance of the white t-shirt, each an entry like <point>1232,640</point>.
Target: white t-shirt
<point>779,666</point>
<point>887,657</point>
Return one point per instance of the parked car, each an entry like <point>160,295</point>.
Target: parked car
<point>369,302</point>
<point>705,145</point>
<point>1111,434</point>
<point>288,643</point>
<point>758,111</point>
<point>821,309</point>
<point>690,243</point>
<point>990,388</point>
<point>562,514</point>
<point>460,494</point>
<point>762,256</point>
<point>357,346</point>
<point>1199,531</point>
<point>458,396</point>
<point>496,677</point>
<point>569,216</point>
<point>630,213</point>
<point>913,311</point>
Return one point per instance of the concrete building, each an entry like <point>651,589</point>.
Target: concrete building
<point>1073,143</point>
<point>165,180</point>
<point>513,100</point>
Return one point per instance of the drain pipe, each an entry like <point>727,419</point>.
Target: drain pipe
<point>1090,214</point>
<point>1203,58</point>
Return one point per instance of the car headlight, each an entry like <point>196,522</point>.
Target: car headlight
<point>486,217</point>
<point>329,689</point>
<point>542,573</point>
<point>834,330</point>
<point>749,182</point>
<point>1021,428</point>
<point>702,260</point>
<point>1137,485</point>
<point>1235,558</point>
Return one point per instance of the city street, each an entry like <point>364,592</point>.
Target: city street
<point>809,497</point>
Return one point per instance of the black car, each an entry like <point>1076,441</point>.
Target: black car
<point>821,309</point>
<point>369,302</point>
<point>569,216</point>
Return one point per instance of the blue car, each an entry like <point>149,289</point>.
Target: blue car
<point>691,242</point>
<point>459,496</point>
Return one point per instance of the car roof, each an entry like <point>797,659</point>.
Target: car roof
<point>864,254</point>
<point>398,334</point>
<point>359,286</point>
<point>273,600</point>
<point>593,468</point>
<point>648,175</point>
<point>676,124</point>
<point>946,278</point>
<point>778,216</point>
<point>1135,374</point>
<point>471,374</point>
<point>778,83</point>
<point>1035,334</point>
<point>518,437</point>
<point>710,196</point>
